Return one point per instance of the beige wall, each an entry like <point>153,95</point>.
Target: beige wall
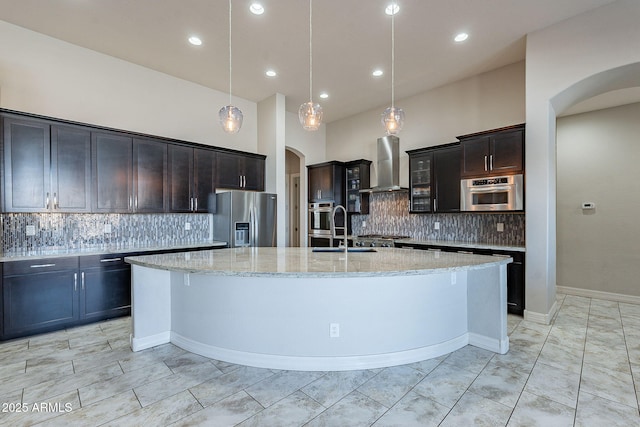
<point>567,63</point>
<point>43,75</point>
<point>486,101</point>
<point>597,160</point>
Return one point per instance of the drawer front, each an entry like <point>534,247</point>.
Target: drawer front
<point>42,265</point>
<point>102,261</point>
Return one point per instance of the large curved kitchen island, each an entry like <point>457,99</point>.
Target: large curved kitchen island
<point>292,308</point>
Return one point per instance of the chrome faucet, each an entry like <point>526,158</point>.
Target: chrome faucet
<point>345,242</point>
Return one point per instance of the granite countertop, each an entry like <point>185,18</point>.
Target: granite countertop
<point>302,262</point>
<point>102,250</point>
<point>460,244</point>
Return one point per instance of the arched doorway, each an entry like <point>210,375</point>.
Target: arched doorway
<point>295,198</point>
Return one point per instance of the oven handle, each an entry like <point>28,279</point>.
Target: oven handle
<point>489,189</point>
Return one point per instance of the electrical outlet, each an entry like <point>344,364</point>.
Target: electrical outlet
<point>30,230</point>
<point>187,226</point>
<point>334,330</point>
<point>107,228</point>
<point>364,224</point>
<point>500,227</point>
<point>436,226</point>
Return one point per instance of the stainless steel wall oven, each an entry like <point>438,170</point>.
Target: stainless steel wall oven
<point>496,193</point>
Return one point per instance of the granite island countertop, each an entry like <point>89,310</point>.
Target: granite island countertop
<point>303,262</point>
<point>103,250</point>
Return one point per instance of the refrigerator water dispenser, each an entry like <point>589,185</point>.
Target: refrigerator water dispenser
<point>242,237</point>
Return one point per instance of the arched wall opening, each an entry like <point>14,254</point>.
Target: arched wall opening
<point>544,270</point>
<point>296,196</point>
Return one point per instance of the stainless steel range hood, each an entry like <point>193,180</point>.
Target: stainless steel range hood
<point>388,166</point>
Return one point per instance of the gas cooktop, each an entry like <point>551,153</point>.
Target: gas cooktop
<point>382,236</point>
<point>372,240</point>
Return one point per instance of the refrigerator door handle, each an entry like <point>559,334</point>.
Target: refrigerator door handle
<point>254,237</point>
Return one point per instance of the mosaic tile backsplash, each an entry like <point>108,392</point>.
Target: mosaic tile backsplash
<point>389,214</point>
<point>55,231</point>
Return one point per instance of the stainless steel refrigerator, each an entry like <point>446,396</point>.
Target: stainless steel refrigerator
<point>245,218</point>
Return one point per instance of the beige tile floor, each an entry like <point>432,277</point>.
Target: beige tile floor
<point>582,370</point>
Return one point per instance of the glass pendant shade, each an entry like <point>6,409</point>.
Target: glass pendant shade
<point>310,115</point>
<point>230,119</point>
<point>392,120</point>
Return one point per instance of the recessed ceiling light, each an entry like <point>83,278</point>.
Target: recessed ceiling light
<point>324,95</point>
<point>271,73</point>
<point>461,37</point>
<point>392,9</point>
<point>256,8</point>
<point>377,73</point>
<point>195,40</point>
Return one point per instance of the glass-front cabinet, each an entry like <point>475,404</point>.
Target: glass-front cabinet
<point>420,182</point>
<point>357,178</point>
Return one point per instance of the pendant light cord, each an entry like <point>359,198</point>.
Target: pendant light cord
<point>229,52</point>
<point>310,51</point>
<point>393,56</point>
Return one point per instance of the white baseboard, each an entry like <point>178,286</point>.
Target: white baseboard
<point>491,344</point>
<point>321,363</point>
<point>144,343</point>
<point>609,296</point>
<point>544,318</point>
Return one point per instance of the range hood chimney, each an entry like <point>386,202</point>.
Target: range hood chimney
<point>388,165</point>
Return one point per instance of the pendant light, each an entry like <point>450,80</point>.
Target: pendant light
<point>310,113</point>
<point>393,117</point>
<point>230,116</point>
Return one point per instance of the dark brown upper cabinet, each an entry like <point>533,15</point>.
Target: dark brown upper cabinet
<point>493,152</point>
<point>150,189</point>
<point>191,178</point>
<point>326,182</point>
<point>71,169</point>
<point>434,179</point>
<point>130,175</point>
<point>240,171</point>
<point>358,177</point>
<point>112,172</point>
<point>47,167</point>
<point>52,165</point>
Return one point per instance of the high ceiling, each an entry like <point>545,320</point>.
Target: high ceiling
<point>350,39</point>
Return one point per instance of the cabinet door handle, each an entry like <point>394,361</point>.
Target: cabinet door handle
<point>435,205</point>
<point>47,202</point>
<point>485,163</point>
<point>240,181</point>
<point>191,203</point>
<point>195,204</point>
<point>82,275</point>
<point>110,260</point>
<point>491,162</point>
<point>75,282</point>
<point>55,201</point>
<point>135,202</point>
<point>130,202</point>
<point>41,265</point>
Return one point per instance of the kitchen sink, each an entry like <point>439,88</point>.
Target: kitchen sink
<point>342,250</point>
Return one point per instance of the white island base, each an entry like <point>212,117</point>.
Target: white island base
<point>320,321</point>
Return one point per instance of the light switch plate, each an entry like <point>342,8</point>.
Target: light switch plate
<point>30,230</point>
<point>107,228</point>
<point>436,226</point>
<point>187,226</point>
<point>500,226</point>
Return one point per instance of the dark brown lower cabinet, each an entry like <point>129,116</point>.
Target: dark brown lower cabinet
<point>105,283</point>
<point>49,294</point>
<point>515,271</point>
<point>39,296</point>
